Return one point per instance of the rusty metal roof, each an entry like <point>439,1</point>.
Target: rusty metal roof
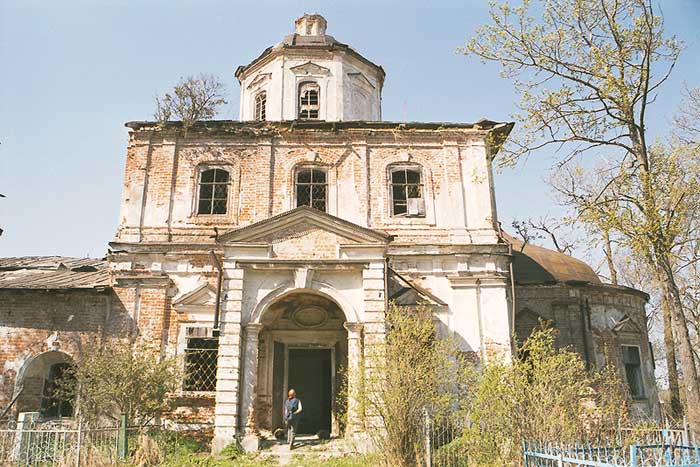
<point>53,273</point>
<point>534,264</point>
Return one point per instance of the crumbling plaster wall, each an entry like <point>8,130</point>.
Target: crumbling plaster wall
<point>36,321</point>
<point>474,288</point>
<point>162,170</point>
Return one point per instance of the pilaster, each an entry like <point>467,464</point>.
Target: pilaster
<point>249,389</point>
<point>354,383</point>
<point>228,371</point>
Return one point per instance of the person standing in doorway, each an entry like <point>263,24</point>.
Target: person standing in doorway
<point>292,413</point>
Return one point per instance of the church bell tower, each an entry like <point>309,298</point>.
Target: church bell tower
<point>309,75</point>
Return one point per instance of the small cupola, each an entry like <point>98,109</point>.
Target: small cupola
<point>310,75</point>
<point>311,25</point>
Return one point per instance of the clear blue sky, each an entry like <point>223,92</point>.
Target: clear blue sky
<point>72,72</point>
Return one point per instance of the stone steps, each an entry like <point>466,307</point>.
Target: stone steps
<point>304,446</point>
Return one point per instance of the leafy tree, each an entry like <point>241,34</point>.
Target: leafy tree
<point>548,396</point>
<point>122,378</point>
<point>193,99</point>
<point>412,373</point>
<point>587,72</point>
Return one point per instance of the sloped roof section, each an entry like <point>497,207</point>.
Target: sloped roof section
<point>53,273</point>
<point>534,264</point>
<point>404,292</point>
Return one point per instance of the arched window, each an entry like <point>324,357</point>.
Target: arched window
<point>213,191</point>
<point>260,104</point>
<point>407,191</point>
<point>309,93</point>
<point>310,187</point>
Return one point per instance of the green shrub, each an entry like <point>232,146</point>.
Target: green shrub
<point>546,396</point>
<point>413,372</point>
<point>178,443</point>
<point>233,450</point>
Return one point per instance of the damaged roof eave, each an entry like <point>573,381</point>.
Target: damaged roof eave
<point>498,134</point>
<point>482,127</point>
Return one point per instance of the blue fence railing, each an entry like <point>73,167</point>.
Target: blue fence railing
<point>635,455</point>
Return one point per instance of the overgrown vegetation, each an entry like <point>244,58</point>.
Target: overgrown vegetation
<point>546,396</point>
<point>412,373</point>
<point>121,378</point>
<point>193,99</point>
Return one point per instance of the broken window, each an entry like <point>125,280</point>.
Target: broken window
<point>407,192</point>
<point>633,370</point>
<point>260,104</point>
<point>55,401</point>
<point>309,101</point>
<point>311,188</point>
<point>201,354</point>
<point>213,191</point>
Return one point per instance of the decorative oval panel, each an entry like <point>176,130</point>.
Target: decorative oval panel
<point>310,317</point>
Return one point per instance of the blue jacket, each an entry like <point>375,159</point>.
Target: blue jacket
<point>291,406</point>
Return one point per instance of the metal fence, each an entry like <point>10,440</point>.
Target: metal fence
<point>30,446</point>
<point>635,455</point>
<point>444,447</point>
<point>66,444</point>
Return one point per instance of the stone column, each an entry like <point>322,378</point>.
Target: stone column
<point>228,362</point>
<point>355,377</point>
<point>249,389</point>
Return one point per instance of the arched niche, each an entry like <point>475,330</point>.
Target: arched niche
<point>39,381</point>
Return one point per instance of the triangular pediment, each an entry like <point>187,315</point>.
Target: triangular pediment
<point>626,325</point>
<point>310,68</point>
<point>305,224</point>
<point>258,80</point>
<point>202,295</point>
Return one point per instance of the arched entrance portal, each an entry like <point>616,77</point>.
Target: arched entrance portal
<point>303,345</point>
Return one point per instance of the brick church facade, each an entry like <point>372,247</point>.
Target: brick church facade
<point>265,251</point>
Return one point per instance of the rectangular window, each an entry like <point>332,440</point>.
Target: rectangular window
<point>201,354</point>
<point>311,188</point>
<point>213,191</point>
<point>633,370</point>
<point>407,192</point>
<point>308,101</point>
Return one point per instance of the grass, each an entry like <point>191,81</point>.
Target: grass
<point>173,449</point>
<point>348,461</point>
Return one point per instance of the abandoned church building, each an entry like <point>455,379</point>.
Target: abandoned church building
<point>265,251</point>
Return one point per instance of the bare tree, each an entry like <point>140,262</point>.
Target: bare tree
<point>531,230</point>
<point>688,118</point>
<point>587,73</point>
<point>193,99</point>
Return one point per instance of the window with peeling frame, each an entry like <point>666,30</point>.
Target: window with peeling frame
<point>260,104</point>
<point>633,370</point>
<point>311,188</point>
<point>213,191</point>
<point>309,101</point>
<point>406,184</point>
<point>201,354</point>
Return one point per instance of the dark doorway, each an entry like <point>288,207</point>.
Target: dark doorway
<point>310,376</point>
